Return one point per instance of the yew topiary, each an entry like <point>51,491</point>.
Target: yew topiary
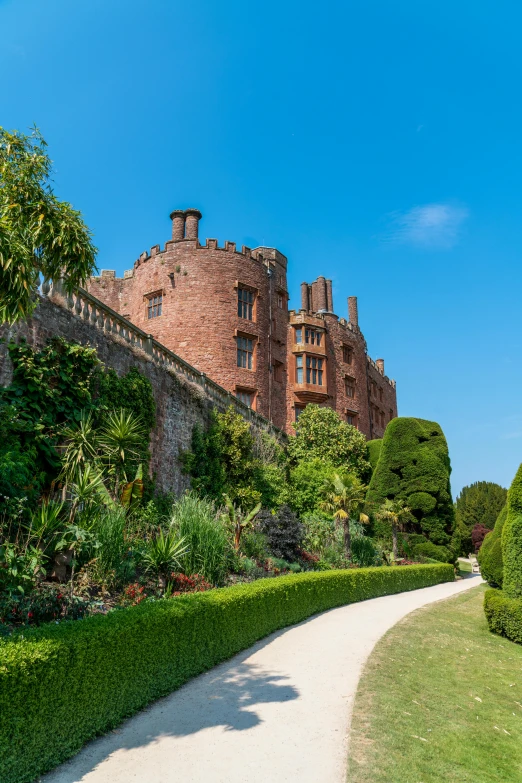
<point>512,540</point>
<point>374,452</point>
<point>490,553</point>
<point>414,466</point>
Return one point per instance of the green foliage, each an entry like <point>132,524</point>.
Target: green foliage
<point>490,553</point>
<point>150,650</point>
<point>230,459</point>
<point>433,552</point>
<point>38,233</point>
<point>478,504</point>
<point>255,545</point>
<point>321,433</point>
<point>364,552</point>
<point>19,475</point>
<point>512,540</point>
<point>131,392</point>
<point>343,498</point>
<point>307,481</point>
<point>504,614</point>
<point>111,564</point>
<point>283,531</point>
<point>374,452</point>
<point>414,466</point>
<point>50,389</point>
<point>194,519</point>
<point>163,554</point>
<point>320,534</point>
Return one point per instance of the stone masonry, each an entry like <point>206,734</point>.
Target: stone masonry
<point>225,311</point>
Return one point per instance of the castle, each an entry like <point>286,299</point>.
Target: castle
<point>226,312</point>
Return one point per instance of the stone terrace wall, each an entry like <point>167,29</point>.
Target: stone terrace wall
<point>181,401</point>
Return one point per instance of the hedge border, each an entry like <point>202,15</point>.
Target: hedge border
<point>61,685</point>
<point>504,614</point>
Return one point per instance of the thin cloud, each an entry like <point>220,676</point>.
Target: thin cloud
<point>428,225</point>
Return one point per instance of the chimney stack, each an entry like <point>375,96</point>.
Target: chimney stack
<point>321,303</point>
<point>305,304</point>
<point>380,365</point>
<point>329,296</point>
<point>192,218</point>
<point>353,315</point>
<point>178,224</point>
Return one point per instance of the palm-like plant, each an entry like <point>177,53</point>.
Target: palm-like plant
<point>163,554</point>
<point>344,497</point>
<point>81,447</point>
<point>120,440</point>
<point>395,512</point>
<point>235,519</point>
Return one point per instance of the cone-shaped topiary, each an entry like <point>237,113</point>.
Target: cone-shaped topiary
<point>512,540</point>
<point>414,466</point>
<point>490,553</point>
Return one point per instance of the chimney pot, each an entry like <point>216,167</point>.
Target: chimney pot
<point>329,296</point>
<point>305,304</point>
<point>380,365</point>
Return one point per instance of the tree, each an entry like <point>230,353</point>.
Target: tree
<point>321,433</point>
<point>344,497</point>
<point>307,481</point>
<point>414,466</point>
<point>478,504</point>
<point>39,235</point>
<point>237,521</point>
<point>395,513</point>
<point>490,553</point>
<point>512,540</point>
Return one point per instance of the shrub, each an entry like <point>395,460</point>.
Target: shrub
<point>195,521</point>
<point>364,552</point>
<point>195,583</point>
<point>374,452</point>
<point>254,545</point>
<point>283,531</point>
<point>512,540</point>
<point>441,553</point>
<point>414,466</point>
<point>320,433</point>
<point>43,605</point>
<point>478,534</point>
<point>490,553</point>
<point>61,685</point>
<point>504,614</point>
<point>307,481</point>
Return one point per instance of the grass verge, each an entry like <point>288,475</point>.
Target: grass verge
<point>440,699</point>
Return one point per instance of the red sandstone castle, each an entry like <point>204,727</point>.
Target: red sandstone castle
<point>226,312</point>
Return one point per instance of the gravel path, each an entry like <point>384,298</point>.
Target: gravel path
<point>278,711</point>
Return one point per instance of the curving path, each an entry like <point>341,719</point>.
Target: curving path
<point>278,711</point>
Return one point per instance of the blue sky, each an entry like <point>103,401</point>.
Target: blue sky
<point>376,143</point>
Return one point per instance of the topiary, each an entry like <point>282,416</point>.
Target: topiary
<point>414,466</point>
<point>374,452</point>
<point>512,540</point>
<point>490,553</point>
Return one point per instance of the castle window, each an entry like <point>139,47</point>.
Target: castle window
<point>351,418</point>
<point>299,335</point>
<point>299,369</point>
<point>349,386</point>
<point>314,370</point>
<point>280,301</point>
<point>383,424</point>
<point>246,397</point>
<point>245,303</point>
<point>155,305</point>
<point>245,352</point>
<point>313,337</point>
<point>298,410</point>
<point>380,395</point>
<point>277,369</point>
<point>347,354</point>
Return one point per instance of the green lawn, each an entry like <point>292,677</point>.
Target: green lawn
<point>440,699</point>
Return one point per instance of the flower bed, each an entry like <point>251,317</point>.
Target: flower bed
<point>61,685</point>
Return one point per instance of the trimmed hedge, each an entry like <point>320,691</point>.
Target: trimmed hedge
<point>490,553</point>
<point>441,553</point>
<point>374,451</point>
<point>512,540</point>
<point>414,466</point>
<point>504,615</point>
<point>61,685</point>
